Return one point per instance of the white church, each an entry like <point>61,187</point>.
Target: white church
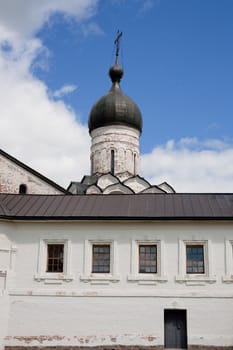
<point>112,262</point>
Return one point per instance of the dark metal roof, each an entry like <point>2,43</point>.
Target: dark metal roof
<point>33,172</point>
<point>90,180</point>
<point>117,207</point>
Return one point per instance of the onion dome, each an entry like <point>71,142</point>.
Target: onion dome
<point>115,108</point>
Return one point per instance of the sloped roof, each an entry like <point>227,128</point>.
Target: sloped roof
<point>109,183</point>
<point>117,207</point>
<point>33,172</point>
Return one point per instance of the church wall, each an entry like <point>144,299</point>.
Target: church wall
<point>95,321</point>
<point>124,141</point>
<point>12,176</point>
<point>6,264</point>
<point>81,310</point>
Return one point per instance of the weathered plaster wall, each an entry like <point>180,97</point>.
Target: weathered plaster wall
<point>123,310</point>
<point>12,176</point>
<point>94,321</point>
<point>125,143</point>
<point>6,249</point>
<point>4,307</point>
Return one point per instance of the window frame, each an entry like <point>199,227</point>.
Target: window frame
<point>146,278</point>
<point>51,277</point>
<point>54,258</point>
<point>195,278</point>
<point>190,246</point>
<point>228,276</point>
<point>147,258</point>
<point>94,258</point>
<point>100,277</point>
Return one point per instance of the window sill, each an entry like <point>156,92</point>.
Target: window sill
<point>195,279</point>
<point>227,279</point>
<point>53,278</point>
<point>147,278</point>
<point>100,278</point>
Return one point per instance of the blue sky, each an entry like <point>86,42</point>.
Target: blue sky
<point>177,57</point>
<point>178,62</point>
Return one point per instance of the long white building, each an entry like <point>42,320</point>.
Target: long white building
<point>117,263</point>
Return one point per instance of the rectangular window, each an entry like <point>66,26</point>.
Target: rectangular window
<point>55,257</point>
<point>100,262</point>
<point>112,162</point>
<point>195,259</point>
<point>101,258</point>
<point>147,258</point>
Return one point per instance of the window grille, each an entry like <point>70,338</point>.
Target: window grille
<point>55,257</point>
<point>195,259</point>
<point>147,258</point>
<point>101,258</point>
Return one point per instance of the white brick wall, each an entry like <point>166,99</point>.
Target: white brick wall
<point>124,310</point>
<point>125,143</point>
<point>12,175</point>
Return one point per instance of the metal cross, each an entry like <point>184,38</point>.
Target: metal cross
<point>117,43</point>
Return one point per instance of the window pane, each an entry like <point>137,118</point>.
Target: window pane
<point>101,258</point>
<point>147,259</point>
<point>55,255</point>
<point>195,259</point>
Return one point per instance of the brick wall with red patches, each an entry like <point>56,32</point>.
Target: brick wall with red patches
<point>119,347</point>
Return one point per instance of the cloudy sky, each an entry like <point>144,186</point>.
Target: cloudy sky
<point>177,57</point>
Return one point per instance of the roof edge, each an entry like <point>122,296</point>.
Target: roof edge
<point>34,172</point>
<point>114,218</point>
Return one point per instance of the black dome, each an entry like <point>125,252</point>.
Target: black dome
<point>115,108</point>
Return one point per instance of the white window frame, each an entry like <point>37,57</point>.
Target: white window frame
<point>54,277</point>
<point>192,278</point>
<point>228,277</point>
<point>99,278</point>
<point>146,278</point>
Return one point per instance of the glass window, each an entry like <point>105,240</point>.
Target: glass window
<point>101,258</point>
<point>195,259</point>
<point>147,258</point>
<point>55,257</point>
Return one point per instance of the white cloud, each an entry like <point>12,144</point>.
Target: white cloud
<point>147,5</point>
<point>91,28</point>
<point>64,90</point>
<point>190,165</point>
<point>23,18</point>
<point>40,131</point>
